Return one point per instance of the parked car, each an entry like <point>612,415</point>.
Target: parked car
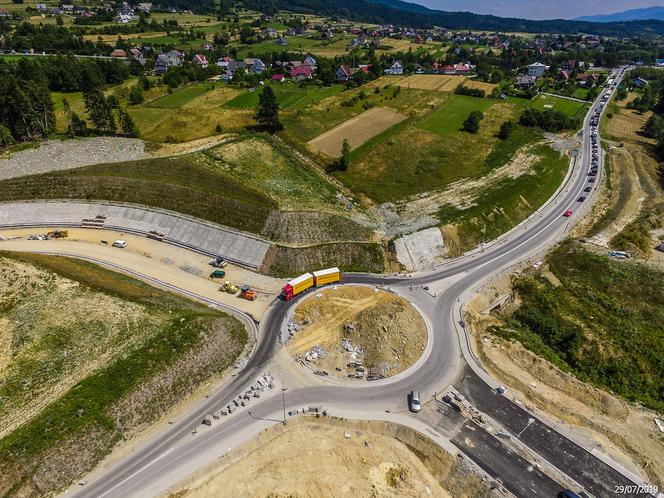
<point>591,180</point>
<point>582,198</point>
<point>567,493</point>
<point>120,243</point>
<point>587,189</point>
<point>568,213</point>
<point>414,402</point>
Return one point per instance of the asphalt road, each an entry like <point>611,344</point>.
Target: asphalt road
<point>174,452</point>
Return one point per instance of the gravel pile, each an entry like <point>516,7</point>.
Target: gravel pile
<point>56,155</point>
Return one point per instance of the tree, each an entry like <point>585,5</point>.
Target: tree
<point>6,137</point>
<point>472,123</point>
<point>99,110</point>
<point>267,112</point>
<point>77,127</point>
<point>135,95</point>
<point>506,130</point>
<point>344,159</point>
<point>654,127</point>
<point>127,124</point>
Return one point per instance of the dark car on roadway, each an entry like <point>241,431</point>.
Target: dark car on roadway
<point>582,198</point>
<point>587,189</point>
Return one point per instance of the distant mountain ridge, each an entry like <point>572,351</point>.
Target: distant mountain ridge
<point>656,13</point>
<point>402,13</point>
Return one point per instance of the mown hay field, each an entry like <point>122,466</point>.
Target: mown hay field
<point>356,130</point>
<point>434,82</point>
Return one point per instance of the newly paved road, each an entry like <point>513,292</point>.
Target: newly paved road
<point>174,453</point>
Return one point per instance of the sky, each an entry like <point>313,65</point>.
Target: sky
<point>539,9</point>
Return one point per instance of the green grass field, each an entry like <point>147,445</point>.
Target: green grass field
<point>180,97</point>
<point>289,95</point>
<point>449,118</point>
<point>432,152</point>
<point>569,107</point>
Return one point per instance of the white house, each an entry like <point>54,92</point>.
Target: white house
<point>537,69</point>
<point>395,68</point>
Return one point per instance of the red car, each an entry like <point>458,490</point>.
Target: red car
<point>567,213</point>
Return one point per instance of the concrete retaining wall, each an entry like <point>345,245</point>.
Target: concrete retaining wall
<point>180,230</point>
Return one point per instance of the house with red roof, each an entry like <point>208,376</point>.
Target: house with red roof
<point>119,53</point>
<point>302,72</point>
<point>462,69</point>
<point>200,61</point>
<point>280,78</point>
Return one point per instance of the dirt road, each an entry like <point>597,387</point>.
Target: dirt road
<point>179,267</point>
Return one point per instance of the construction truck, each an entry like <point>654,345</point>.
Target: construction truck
<point>57,234</point>
<point>247,293</point>
<point>229,287</point>
<point>218,274</point>
<point>308,280</point>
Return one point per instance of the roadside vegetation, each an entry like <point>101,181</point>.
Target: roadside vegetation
<point>92,357</point>
<point>602,322</point>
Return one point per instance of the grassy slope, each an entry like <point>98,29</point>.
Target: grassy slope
<point>428,160</point>
<point>597,324</point>
<point>176,184</point>
<point>502,206</point>
<point>85,422</point>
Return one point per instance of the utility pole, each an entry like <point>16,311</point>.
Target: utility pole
<point>283,396</point>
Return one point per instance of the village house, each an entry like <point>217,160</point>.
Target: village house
<point>536,69</point>
<point>525,81</point>
<point>395,69</point>
<point>639,83</point>
<point>255,66</point>
<point>302,72</point>
<point>166,61</point>
<point>343,73</point>
<point>200,61</point>
<point>119,53</point>
<point>279,78</point>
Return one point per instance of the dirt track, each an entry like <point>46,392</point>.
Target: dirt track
<point>177,266</point>
<point>356,130</point>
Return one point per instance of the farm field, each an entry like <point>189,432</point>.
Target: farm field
<point>432,151</point>
<point>449,118</point>
<point>304,124</point>
<point>91,357</point>
<point>569,107</point>
<point>288,94</point>
<point>356,130</point>
<point>180,97</point>
<point>434,82</point>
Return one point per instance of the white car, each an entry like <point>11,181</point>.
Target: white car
<point>414,401</point>
<point>120,243</point>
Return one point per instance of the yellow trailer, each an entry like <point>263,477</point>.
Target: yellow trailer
<point>327,276</point>
<point>297,285</point>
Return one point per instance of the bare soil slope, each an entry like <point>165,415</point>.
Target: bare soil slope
<point>314,458</point>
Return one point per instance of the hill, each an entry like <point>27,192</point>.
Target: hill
<point>649,13</point>
<point>404,13</point>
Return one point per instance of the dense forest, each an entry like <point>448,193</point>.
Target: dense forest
<point>25,92</point>
<point>363,10</point>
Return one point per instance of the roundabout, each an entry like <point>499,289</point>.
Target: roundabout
<point>355,333</point>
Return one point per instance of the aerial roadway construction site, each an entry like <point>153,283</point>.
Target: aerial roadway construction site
<point>185,322</point>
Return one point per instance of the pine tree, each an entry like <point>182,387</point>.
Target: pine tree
<point>77,127</point>
<point>344,159</point>
<point>99,110</point>
<point>127,124</point>
<point>267,112</point>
